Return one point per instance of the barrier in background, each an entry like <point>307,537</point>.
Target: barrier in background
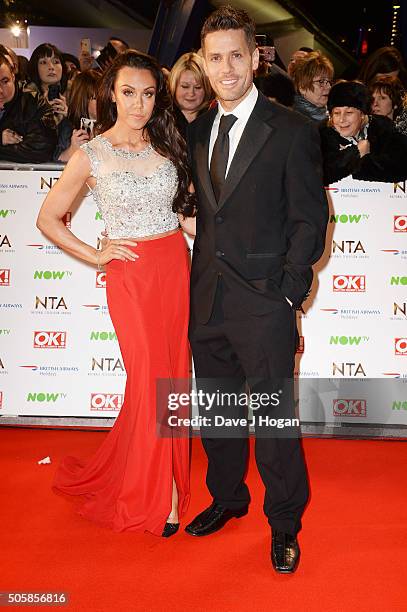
<point>59,355</point>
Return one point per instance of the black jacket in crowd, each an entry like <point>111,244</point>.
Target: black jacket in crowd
<point>386,162</point>
<point>32,117</point>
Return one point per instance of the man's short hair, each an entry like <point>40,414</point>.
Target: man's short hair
<point>229,18</point>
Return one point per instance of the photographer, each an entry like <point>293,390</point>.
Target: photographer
<point>72,131</point>
<point>27,126</point>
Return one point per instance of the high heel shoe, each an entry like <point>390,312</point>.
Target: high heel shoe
<point>170,529</point>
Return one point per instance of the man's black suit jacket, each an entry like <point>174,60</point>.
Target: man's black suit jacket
<point>268,227</point>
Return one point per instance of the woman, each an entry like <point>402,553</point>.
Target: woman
<point>82,105</point>
<point>190,89</point>
<point>386,61</point>
<point>137,169</point>
<point>354,143</point>
<point>387,97</point>
<point>312,76</point>
<point>47,68</point>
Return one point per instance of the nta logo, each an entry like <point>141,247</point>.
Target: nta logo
<point>401,186</point>
<point>47,183</point>
<point>4,278</point>
<point>106,401</point>
<point>398,280</point>
<point>349,407</point>
<point>4,241</point>
<point>107,364</point>
<point>348,247</point>
<point>400,346</point>
<point>347,369</point>
<point>402,309</point>
<point>349,282</point>
<point>50,303</point>
<point>50,339</point>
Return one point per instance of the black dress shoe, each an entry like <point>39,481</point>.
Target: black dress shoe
<point>285,552</point>
<point>170,529</point>
<point>212,519</point>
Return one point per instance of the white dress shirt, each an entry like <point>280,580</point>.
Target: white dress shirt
<point>242,111</point>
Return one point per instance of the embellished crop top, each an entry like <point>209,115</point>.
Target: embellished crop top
<point>134,192</point>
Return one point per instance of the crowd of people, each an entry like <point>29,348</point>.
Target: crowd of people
<point>48,105</point>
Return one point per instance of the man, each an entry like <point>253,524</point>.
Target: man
<point>261,223</point>
<point>27,125</point>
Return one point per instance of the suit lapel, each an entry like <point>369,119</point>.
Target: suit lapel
<point>255,134</point>
<point>202,154</point>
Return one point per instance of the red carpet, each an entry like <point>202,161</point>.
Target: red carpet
<point>354,538</point>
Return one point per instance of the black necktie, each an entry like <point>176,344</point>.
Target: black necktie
<point>220,154</point>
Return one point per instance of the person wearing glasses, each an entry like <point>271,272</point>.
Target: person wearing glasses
<point>312,76</point>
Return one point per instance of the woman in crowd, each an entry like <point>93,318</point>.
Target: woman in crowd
<point>77,128</point>
<point>386,61</point>
<point>278,88</point>
<point>312,76</point>
<point>354,143</point>
<point>387,97</point>
<point>27,126</point>
<point>47,68</point>
<point>190,89</point>
<point>137,169</point>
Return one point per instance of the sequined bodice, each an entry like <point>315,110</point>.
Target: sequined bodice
<point>134,191</point>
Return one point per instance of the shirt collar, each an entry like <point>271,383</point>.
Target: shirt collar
<point>244,109</point>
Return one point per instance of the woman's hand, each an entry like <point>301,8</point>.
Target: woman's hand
<point>78,138</point>
<point>115,249</point>
<point>59,106</point>
<point>364,147</point>
<point>9,137</point>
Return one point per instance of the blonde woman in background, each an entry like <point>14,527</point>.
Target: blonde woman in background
<point>190,89</point>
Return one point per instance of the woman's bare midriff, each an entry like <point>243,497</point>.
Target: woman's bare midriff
<point>154,236</point>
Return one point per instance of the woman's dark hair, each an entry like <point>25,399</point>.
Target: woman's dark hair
<point>68,57</point>
<point>392,87</point>
<point>84,87</point>
<point>45,50</point>
<point>382,61</point>
<point>277,86</point>
<point>160,128</point>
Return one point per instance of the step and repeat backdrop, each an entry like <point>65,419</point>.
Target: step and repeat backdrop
<point>59,354</point>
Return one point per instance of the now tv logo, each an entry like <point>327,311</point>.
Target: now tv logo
<point>4,278</point>
<point>45,397</point>
<point>50,339</point>
<point>106,401</point>
<point>350,407</point>
<point>51,274</point>
<point>353,283</point>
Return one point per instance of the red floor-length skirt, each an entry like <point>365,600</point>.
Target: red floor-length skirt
<point>128,483</point>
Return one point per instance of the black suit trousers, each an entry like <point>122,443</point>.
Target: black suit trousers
<point>239,345</point>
